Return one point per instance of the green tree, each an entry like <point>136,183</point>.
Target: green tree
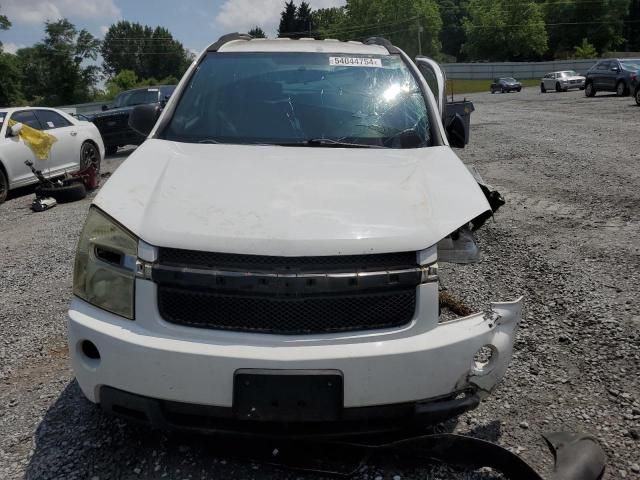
<point>60,70</point>
<point>257,32</point>
<point>11,84</point>
<point>631,31</point>
<point>504,30</point>
<point>584,50</point>
<point>452,35</point>
<point>304,20</point>
<point>327,20</point>
<point>601,22</point>
<point>413,25</point>
<point>148,52</point>
<point>5,24</point>
<point>288,20</point>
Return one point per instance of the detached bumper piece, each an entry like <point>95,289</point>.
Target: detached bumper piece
<point>168,415</point>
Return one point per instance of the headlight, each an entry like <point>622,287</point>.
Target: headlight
<point>104,273</point>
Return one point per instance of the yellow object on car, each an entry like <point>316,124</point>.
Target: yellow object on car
<point>38,141</point>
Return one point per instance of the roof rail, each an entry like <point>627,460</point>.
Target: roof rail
<point>229,37</point>
<point>383,42</point>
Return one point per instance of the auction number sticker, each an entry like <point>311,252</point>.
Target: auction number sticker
<point>355,62</point>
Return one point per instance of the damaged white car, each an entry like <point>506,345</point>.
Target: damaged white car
<point>267,260</point>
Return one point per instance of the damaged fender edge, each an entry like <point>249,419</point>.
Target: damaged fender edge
<point>503,319</point>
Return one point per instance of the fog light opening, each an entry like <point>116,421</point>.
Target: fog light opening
<point>484,359</point>
<point>90,350</point>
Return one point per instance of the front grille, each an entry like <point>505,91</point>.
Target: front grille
<point>324,264</point>
<point>287,316</point>
<point>282,295</point>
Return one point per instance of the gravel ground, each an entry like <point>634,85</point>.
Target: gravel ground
<point>567,239</point>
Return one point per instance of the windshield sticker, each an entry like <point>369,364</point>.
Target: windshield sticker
<point>355,62</point>
<point>1,119</point>
<point>152,90</point>
<point>50,124</point>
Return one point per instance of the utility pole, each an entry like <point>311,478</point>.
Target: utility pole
<point>420,30</point>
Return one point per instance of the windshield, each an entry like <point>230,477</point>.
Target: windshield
<point>137,97</point>
<point>302,98</point>
<point>631,64</point>
<point>569,73</point>
<point>509,79</point>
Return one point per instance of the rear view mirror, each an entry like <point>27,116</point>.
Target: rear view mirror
<point>16,129</point>
<point>457,132</point>
<point>143,118</point>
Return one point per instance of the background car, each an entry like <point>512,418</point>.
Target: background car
<point>78,145</point>
<point>505,85</point>
<point>561,81</point>
<point>113,121</point>
<point>618,75</point>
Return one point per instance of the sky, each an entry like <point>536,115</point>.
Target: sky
<point>195,23</point>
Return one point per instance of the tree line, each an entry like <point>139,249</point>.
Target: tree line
<point>63,67</point>
<point>477,30</point>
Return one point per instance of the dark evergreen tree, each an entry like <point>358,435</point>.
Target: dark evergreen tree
<point>257,32</point>
<point>288,20</point>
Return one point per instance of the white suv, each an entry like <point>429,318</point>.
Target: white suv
<point>266,260</point>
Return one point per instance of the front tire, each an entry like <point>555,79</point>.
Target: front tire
<point>621,89</point>
<point>589,90</point>
<point>637,96</point>
<point>4,186</point>
<point>558,87</point>
<point>519,90</point>
<point>543,89</point>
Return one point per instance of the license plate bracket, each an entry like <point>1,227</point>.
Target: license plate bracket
<point>288,395</point>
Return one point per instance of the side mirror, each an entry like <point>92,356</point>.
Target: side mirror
<point>457,132</point>
<point>143,118</point>
<point>16,129</point>
<point>105,107</point>
<point>615,69</point>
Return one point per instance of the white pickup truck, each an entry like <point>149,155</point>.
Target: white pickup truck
<point>267,260</point>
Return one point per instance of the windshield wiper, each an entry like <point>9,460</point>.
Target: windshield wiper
<point>327,142</point>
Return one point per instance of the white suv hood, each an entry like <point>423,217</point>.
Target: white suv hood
<point>291,201</point>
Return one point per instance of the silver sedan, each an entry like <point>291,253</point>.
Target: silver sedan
<point>561,81</point>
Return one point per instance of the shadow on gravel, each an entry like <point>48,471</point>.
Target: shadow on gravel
<point>76,440</point>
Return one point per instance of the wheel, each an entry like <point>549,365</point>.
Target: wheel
<point>4,186</point>
<point>89,155</point>
<point>621,89</point>
<point>589,90</point>
<point>69,192</point>
<point>543,89</point>
<point>111,150</point>
<point>558,87</point>
<point>636,95</point>
<point>492,91</point>
<point>519,89</point>
<point>502,91</point>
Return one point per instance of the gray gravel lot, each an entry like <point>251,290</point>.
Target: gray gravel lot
<point>568,239</point>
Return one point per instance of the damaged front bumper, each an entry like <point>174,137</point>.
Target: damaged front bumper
<point>422,373</point>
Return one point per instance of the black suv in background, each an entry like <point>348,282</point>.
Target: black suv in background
<point>113,121</point>
<point>618,75</point>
